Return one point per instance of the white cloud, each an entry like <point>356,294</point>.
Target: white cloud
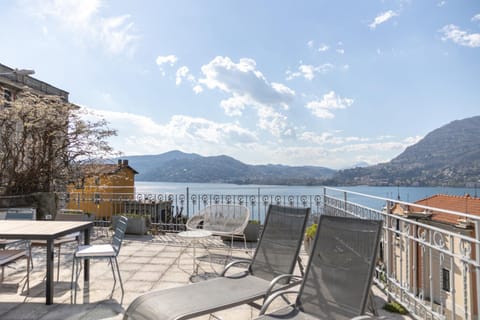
<point>330,101</point>
<point>340,51</point>
<point>116,34</point>
<point>274,122</point>
<point>441,3</point>
<point>310,43</point>
<point>139,134</point>
<point>476,17</point>
<point>308,71</point>
<point>382,17</point>
<point>248,87</point>
<point>458,36</point>
<point>170,59</point>
<point>197,89</point>
<point>323,47</point>
<point>183,73</point>
<point>233,106</point>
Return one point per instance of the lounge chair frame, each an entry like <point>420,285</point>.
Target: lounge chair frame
<point>339,273</point>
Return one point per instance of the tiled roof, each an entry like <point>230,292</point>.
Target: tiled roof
<point>464,204</point>
<point>104,169</point>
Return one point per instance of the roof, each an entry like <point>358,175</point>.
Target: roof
<point>464,204</point>
<point>104,169</point>
<point>18,81</point>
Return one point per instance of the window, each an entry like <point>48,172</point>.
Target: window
<point>446,279</point>
<point>80,183</point>
<point>97,198</point>
<point>7,94</point>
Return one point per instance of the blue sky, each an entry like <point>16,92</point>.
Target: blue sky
<point>327,83</point>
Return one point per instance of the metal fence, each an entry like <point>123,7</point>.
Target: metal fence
<point>170,211</point>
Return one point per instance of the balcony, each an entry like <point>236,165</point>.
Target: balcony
<point>431,269</point>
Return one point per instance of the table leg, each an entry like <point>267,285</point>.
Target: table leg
<point>86,267</point>
<point>195,267</point>
<point>49,280</point>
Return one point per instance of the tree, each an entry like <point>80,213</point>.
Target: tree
<point>44,140</point>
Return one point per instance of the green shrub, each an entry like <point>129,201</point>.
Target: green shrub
<point>395,307</point>
<point>311,230</point>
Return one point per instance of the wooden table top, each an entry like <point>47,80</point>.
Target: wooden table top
<point>40,229</point>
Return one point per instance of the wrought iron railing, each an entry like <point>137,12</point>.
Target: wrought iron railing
<point>170,211</point>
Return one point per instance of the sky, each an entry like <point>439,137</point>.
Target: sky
<point>323,83</point>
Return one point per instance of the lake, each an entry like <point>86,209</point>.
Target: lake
<point>408,194</point>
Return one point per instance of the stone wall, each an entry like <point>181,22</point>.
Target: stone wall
<point>46,203</point>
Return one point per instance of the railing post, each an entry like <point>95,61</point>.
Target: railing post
<point>324,200</point>
<point>188,202</point>
<point>258,205</point>
<point>388,245</point>
<point>477,259</point>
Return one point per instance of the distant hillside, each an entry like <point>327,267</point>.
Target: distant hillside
<point>176,166</point>
<point>447,156</point>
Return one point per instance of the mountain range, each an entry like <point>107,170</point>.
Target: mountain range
<point>449,156</point>
<point>177,166</point>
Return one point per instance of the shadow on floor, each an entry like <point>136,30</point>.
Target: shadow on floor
<point>107,309</point>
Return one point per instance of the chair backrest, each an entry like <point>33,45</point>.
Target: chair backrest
<point>225,218</point>
<point>119,233</point>
<point>280,241</point>
<point>339,272</point>
<point>20,213</point>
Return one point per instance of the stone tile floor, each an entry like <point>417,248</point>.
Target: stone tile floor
<point>146,263</point>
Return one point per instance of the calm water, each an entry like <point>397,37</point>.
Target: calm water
<point>408,194</point>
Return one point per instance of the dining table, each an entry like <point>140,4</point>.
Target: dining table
<point>47,231</point>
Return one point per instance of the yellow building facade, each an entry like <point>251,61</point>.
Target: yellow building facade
<point>103,189</point>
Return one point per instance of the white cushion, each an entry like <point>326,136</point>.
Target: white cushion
<point>96,250</point>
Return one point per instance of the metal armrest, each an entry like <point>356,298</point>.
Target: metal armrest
<point>233,263</point>
<point>275,281</point>
<point>270,299</point>
<point>194,222</point>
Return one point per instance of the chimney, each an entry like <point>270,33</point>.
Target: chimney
<point>125,163</point>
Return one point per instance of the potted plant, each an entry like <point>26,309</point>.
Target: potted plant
<point>252,230</point>
<point>137,223</point>
<point>309,235</point>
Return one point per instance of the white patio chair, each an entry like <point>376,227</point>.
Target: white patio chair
<point>228,220</point>
<point>101,251</point>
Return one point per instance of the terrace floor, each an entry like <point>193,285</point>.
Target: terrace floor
<point>146,263</point>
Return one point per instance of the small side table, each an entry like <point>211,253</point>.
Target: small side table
<point>194,236</point>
